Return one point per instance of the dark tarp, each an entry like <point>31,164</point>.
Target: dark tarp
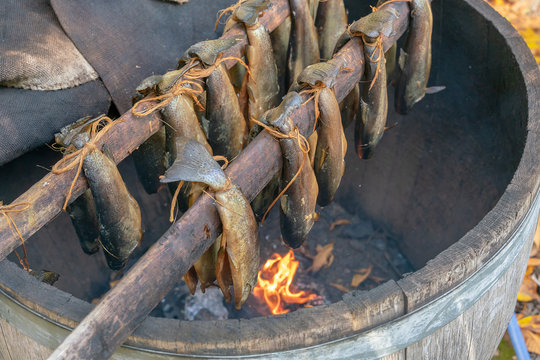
<point>30,118</point>
<point>128,40</point>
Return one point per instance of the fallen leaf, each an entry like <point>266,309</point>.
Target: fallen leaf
<point>323,258</point>
<point>533,262</point>
<point>362,275</point>
<point>377,279</point>
<point>528,290</point>
<point>532,341</point>
<point>340,287</point>
<point>339,222</point>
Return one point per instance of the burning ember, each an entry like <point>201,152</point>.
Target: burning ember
<point>274,281</point>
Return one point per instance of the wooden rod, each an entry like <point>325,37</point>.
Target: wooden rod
<point>47,196</point>
<point>126,305</point>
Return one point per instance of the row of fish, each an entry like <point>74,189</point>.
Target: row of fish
<point>212,110</point>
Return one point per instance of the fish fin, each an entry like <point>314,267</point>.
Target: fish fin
<point>194,163</point>
<point>402,59</point>
<point>191,280</point>
<point>435,89</point>
<point>149,83</point>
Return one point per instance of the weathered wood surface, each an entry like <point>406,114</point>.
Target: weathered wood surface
<point>128,303</point>
<point>47,195</point>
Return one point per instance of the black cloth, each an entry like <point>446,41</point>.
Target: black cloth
<point>126,41</point>
<point>30,118</point>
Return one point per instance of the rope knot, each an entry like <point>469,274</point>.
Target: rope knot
<point>6,210</point>
<point>75,159</point>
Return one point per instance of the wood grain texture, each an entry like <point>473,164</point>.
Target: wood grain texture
<point>14,345</point>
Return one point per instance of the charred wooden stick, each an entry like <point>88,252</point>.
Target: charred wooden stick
<point>47,196</point>
<point>125,306</point>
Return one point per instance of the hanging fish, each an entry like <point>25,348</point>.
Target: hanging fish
<point>297,213</point>
<point>280,44</point>
<point>349,106</point>
<point>371,121</point>
<point>82,210</point>
<point>304,45</point>
<point>415,62</point>
<point>118,213</point>
<point>238,255</point>
<point>227,129</point>
<point>331,22</point>
<point>329,160</point>
<point>262,86</point>
<point>313,8</point>
<point>149,159</point>
<point>181,120</point>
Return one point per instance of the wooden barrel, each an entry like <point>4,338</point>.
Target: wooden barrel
<point>457,181</point>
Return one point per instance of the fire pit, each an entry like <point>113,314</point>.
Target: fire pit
<point>455,185</point>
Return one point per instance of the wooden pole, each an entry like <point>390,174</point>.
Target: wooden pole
<point>47,196</point>
<point>126,305</point>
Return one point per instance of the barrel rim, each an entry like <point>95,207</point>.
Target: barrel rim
<point>502,220</point>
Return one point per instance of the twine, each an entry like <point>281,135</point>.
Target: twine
<point>189,86</point>
<point>75,159</point>
<point>222,12</point>
<point>6,210</point>
<point>316,91</point>
<point>303,145</point>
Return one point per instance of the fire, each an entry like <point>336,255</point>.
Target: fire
<point>274,288</point>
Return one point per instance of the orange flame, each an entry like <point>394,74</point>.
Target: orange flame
<point>276,290</point>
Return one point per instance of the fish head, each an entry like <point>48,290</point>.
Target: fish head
<point>76,134</point>
<point>249,11</point>
<point>208,51</point>
<point>280,116</point>
<point>323,72</point>
<point>380,22</point>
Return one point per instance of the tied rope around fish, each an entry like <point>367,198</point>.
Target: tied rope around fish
<point>75,159</point>
<point>188,85</point>
<point>377,44</point>
<point>303,145</point>
<point>316,91</point>
<point>5,210</point>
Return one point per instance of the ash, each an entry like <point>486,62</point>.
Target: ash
<point>357,245</point>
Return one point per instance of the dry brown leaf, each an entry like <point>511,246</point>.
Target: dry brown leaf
<point>340,287</point>
<point>339,222</point>
<point>528,290</point>
<point>532,341</point>
<point>377,279</point>
<point>323,258</point>
<point>533,262</point>
<point>362,275</point>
